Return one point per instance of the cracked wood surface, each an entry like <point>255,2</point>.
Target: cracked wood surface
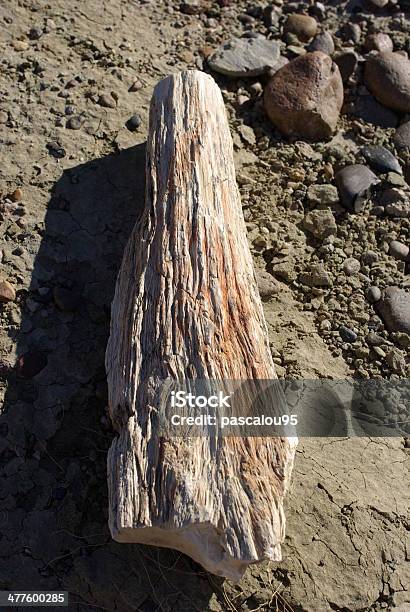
<point>186,306</point>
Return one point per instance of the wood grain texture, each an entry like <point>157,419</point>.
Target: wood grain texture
<point>186,306</point>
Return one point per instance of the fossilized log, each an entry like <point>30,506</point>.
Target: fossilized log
<point>186,306</point>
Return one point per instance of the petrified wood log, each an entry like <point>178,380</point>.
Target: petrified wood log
<point>186,306</point>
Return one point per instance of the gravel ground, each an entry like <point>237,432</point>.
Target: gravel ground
<point>75,86</point>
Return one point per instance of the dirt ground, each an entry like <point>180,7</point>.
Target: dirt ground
<point>82,189</point>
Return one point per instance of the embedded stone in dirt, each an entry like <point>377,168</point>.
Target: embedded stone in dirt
<point>402,136</point>
<point>394,309</point>
<point>303,99</point>
<point>380,159</point>
<point>245,57</point>
<point>387,76</point>
<point>378,42</point>
<point>31,363</point>
<point>321,223</point>
<point>354,184</point>
<point>347,63</point>
<point>267,285</point>
<point>7,292</point>
<point>302,26</point>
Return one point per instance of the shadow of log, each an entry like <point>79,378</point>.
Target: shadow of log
<point>54,429</point>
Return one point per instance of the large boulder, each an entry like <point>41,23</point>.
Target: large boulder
<point>387,76</point>
<point>303,99</point>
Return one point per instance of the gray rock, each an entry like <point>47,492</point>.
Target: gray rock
<point>398,209</point>
<point>351,266</point>
<point>323,42</point>
<point>245,57</point>
<point>394,309</point>
<point>378,42</point>
<point>321,223</point>
<point>370,257</point>
<point>347,62</point>
<point>354,184</point>
<point>380,159</point>
<point>398,250</point>
<point>347,334</point>
<point>373,294</point>
<point>133,122</point>
<point>351,32</point>
<point>402,136</point>
<point>387,76</point>
<point>374,339</point>
<point>325,195</point>
<point>396,361</point>
<point>316,277</point>
<point>370,110</point>
<point>74,123</point>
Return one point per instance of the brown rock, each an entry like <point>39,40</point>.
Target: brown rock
<point>303,99</point>
<point>17,195</point>
<point>378,42</point>
<point>387,76</point>
<point>107,101</point>
<point>7,292</point>
<point>303,26</point>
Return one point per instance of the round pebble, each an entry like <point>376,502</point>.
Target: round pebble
<point>347,334</point>
<point>398,250</point>
<point>133,123</point>
<point>351,266</point>
<point>373,294</point>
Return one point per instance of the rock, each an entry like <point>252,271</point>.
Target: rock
<point>35,33</point>
<point>20,45</point>
<point>387,76</point>
<point>351,32</point>
<point>376,4</point>
<point>245,57</point>
<point>380,159</point>
<point>396,361</point>
<point>7,292</point>
<point>369,258</point>
<point>321,223</point>
<point>303,99</point>
<point>354,184</point>
<point>399,209</point>
<point>394,309</point>
<point>302,26</point>
<point>17,195</point>
<point>56,150</point>
<point>133,122</point>
<point>323,42</point>
<point>66,299</point>
<point>316,277</point>
<point>190,7</point>
<point>136,86</point>
<point>373,294</point>
<point>74,123</point>
<point>378,42</point>
<point>247,134</point>
<point>106,101</point>
<point>351,266</point>
<point>31,363</point>
<point>402,136</point>
<point>370,110</point>
<point>398,250</point>
<point>267,285</point>
<point>374,339</point>
<point>325,195</point>
<point>347,334</point>
<point>347,63</point>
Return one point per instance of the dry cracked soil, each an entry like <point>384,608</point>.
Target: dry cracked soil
<point>66,98</point>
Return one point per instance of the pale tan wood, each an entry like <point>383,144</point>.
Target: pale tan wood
<point>186,306</point>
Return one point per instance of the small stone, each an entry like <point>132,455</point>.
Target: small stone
<point>398,209</point>
<point>31,363</point>
<point>354,184</point>
<point>107,101</point>
<point>17,195</point>
<point>247,134</point>
<point>35,33</point>
<point>323,42</point>
<point>325,195</point>
<point>66,299</point>
<point>402,136</point>
<point>370,110</point>
<point>376,4</point>
<point>378,42</point>
<point>351,266</point>
<point>396,361</point>
<point>347,63</point>
<point>302,26</point>
<point>4,117</point>
<point>373,294</point>
<point>267,285</point>
<point>245,57</point>
<point>387,76</point>
<point>133,122</point>
<point>190,7</point>
<point>370,257</point>
<point>136,86</point>
<point>7,292</point>
<point>395,179</point>
<point>74,123</point>
<point>351,32</point>
<point>304,98</point>
<point>321,223</point>
<point>398,250</point>
<point>56,150</point>
<point>347,334</point>
<point>394,309</point>
<point>374,339</point>
<point>380,159</point>
<point>316,277</point>
<point>20,45</point>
